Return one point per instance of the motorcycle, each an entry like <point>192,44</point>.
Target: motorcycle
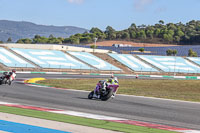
<point>106,91</point>
<point>5,78</point>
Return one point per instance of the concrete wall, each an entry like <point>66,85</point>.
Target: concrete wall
<point>53,47</point>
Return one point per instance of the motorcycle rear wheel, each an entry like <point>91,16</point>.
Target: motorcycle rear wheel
<point>108,95</point>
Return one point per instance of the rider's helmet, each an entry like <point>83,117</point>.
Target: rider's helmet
<point>111,78</point>
<point>115,79</point>
<point>13,71</point>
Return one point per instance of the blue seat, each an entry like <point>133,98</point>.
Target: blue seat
<point>12,60</point>
<point>171,63</point>
<point>51,59</point>
<point>132,62</point>
<point>94,61</point>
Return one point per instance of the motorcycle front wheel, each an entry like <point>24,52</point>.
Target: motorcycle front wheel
<point>90,96</point>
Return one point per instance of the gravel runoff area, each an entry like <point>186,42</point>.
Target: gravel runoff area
<point>51,124</point>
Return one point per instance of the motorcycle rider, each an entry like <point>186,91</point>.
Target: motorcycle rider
<point>12,76</point>
<point>113,81</point>
<point>104,83</point>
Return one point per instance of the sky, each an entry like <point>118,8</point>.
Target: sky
<point>119,14</point>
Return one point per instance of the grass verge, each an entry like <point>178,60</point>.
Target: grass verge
<point>187,90</point>
<point>81,121</point>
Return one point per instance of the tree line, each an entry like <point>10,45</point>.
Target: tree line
<point>173,33</point>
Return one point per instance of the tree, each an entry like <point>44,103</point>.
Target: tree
<point>133,26</point>
<point>93,46</point>
<point>157,32</point>
<point>20,41</point>
<point>149,33</point>
<point>168,38</point>
<point>74,40</point>
<point>109,29</point>
<point>125,35</point>
<point>24,41</point>
<point>85,39</point>
<point>177,39</point>
<point>38,39</point>
<point>67,40</point>
<point>9,40</point>
<point>191,53</point>
<point>51,36</point>
<point>174,52</point>
<point>110,33</point>
<point>141,34</point>
<point>95,30</point>
<point>141,49</point>
<point>169,52</point>
<point>161,22</point>
<point>133,35</point>
<point>179,33</point>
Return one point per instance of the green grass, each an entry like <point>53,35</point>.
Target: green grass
<point>188,90</point>
<point>81,121</point>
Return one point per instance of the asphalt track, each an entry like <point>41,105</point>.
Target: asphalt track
<point>165,112</point>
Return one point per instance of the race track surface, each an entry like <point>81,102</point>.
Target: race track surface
<point>159,111</point>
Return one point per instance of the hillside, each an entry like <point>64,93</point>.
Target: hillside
<point>17,30</point>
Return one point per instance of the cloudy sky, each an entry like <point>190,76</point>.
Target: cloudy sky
<point>119,14</point>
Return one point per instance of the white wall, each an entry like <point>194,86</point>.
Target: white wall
<point>53,47</point>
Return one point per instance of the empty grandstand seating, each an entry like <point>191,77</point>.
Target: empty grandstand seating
<point>11,60</point>
<point>171,63</point>
<point>34,58</point>
<point>182,50</point>
<point>194,59</point>
<point>132,62</point>
<point>94,61</point>
<point>51,58</point>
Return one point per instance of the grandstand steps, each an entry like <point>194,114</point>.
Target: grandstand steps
<point>80,60</point>
<point>37,66</point>
<point>191,61</point>
<point>148,63</point>
<point>114,62</point>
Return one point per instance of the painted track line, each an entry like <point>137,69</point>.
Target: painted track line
<point>101,117</point>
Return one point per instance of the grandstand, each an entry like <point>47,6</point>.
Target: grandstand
<point>11,60</point>
<point>171,64</point>
<point>62,58</point>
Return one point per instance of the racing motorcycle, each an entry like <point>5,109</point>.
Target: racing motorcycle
<point>7,78</point>
<point>106,91</point>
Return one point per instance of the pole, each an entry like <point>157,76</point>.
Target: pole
<point>95,41</point>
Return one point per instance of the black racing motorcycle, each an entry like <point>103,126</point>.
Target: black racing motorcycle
<point>104,94</point>
<point>5,78</point>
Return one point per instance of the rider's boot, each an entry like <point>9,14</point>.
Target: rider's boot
<point>9,82</point>
<point>113,95</point>
<point>96,95</point>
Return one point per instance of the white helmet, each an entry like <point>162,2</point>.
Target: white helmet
<point>115,79</point>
